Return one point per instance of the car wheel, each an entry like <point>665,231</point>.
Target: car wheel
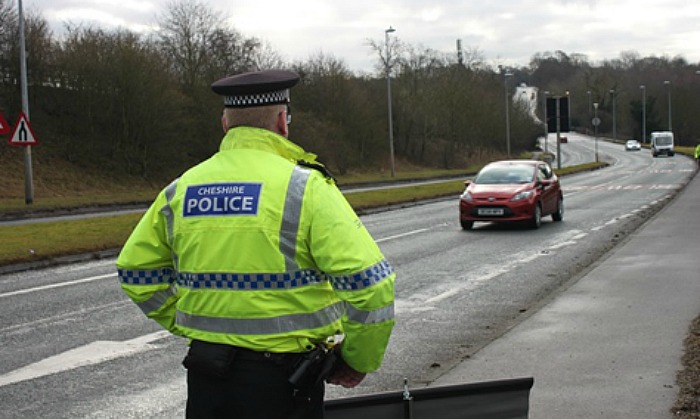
<point>558,215</point>
<point>466,225</point>
<point>536,220</point>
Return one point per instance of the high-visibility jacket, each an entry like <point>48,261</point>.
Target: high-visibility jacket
<point>697,151</point>
<point>256,247</point>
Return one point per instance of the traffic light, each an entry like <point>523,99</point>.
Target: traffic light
<point>552,114</point>
<point>564,114</point>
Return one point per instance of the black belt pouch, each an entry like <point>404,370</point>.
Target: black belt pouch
<point>208,358</point>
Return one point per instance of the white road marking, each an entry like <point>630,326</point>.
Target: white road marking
<point>57,285</point>
<point>468,285</point>
<point>99,351</point>
<point>408,233</point>
<point>90,354</point>
<point>489,272</point>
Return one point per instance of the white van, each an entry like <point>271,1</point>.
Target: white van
<point>662,143</point>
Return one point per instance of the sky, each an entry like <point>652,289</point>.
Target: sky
<point>505,32</point>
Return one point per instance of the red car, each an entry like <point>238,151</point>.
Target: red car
<point>512,190</point>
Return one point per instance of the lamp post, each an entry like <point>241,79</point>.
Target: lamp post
<point>644,114</point>
<point>595,128</point>
<point>588,92</point>
<point>568,109</point>
<point>612,93</point>
<point>668,90</point>
<point>388,95</point>
<point>28,171</point>
<point>505,84</point>
<point>546,129</point>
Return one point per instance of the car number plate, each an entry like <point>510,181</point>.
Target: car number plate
<point>490,211</point>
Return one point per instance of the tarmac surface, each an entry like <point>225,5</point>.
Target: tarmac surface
<point>611,344</point>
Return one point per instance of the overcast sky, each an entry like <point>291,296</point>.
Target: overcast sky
<point>506,32</point>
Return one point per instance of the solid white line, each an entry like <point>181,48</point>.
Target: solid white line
<point>58,285</point>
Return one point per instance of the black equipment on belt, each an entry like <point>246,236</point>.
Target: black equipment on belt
<point>313,367</point>
<point>305,369</point>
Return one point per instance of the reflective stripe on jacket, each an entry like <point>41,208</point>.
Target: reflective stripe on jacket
<point>251,249</point>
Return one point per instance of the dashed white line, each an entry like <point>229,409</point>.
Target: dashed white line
<point>408,233</point>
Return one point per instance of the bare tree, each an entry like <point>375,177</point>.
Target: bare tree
<point>389,53</point>
<point>187,30</point>
<point>230,52</point>
<point>201,47</point>
<point>8,22</point>
<point>8,40</point>
<point>265,57</point>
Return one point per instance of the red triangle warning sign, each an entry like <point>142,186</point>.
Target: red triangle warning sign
<point>4,126</point>
<point>23,134</point>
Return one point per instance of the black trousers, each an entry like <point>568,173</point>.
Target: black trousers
<point>255,389</point>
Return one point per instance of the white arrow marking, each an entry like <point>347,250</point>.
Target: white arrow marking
<point>90,354</point>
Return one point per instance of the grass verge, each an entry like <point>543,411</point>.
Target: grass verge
<point>42,241</point>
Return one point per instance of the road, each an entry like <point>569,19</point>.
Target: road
<point>74,346</point>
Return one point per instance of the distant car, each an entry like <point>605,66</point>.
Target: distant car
<point>563,140</point>
<point>632,145</point>
<point>512,190</point>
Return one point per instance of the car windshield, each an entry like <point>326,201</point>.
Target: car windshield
<point>505,174</point>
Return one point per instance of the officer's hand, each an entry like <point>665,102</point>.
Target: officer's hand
<point>344,375</point>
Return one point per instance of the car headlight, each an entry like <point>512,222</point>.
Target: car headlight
<point>522,195</point>
<point>466,196</point>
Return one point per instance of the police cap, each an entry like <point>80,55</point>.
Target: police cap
<point>257,88</point>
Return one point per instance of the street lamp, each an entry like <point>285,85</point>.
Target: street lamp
<point>505,84</point>
<point>388,95</point>
<point>546,128</point>
<point>595,129</point>
<point>588,92</point>
<point>612,93</point>
<point>668,89</point>
<point>644,114</point>
<point>568,109</point>
<point>28,171</point>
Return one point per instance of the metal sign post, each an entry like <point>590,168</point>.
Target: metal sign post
<point>28,181</point>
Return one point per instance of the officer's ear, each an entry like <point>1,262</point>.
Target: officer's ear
<point>282,127</point>
<point>224,122</point>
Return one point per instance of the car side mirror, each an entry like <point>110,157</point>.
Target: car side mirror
<point>467,182</point>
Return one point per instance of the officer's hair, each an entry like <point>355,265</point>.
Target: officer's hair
<point>258,116</point>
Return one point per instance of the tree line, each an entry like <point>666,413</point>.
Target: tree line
<point>141,104</point>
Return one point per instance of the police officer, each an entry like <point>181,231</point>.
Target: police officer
<point>258,260</point>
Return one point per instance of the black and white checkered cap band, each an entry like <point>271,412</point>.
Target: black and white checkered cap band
<point>257,99</point>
